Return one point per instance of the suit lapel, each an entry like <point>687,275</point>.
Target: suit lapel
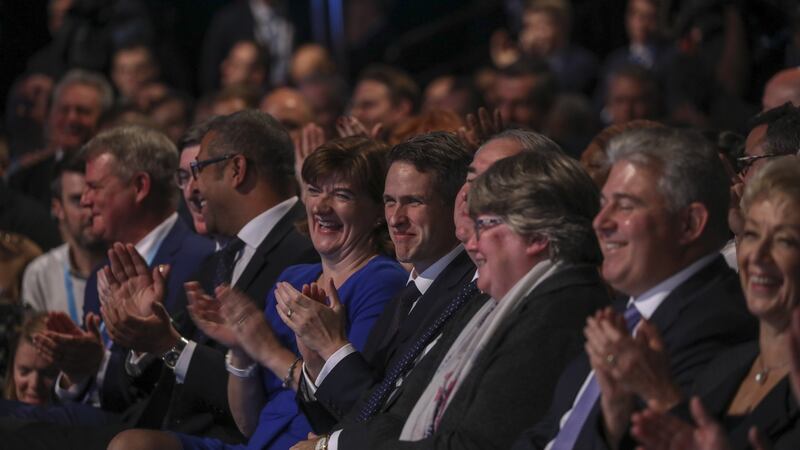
<point>261,257</point>
<point>686,293</point>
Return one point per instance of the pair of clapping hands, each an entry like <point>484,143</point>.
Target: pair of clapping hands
<point>629,366</point>
<point>132,312</point>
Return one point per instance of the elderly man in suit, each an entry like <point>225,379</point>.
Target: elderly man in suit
<point>660,229</point>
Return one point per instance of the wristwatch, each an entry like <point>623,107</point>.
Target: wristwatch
<point>171,356</point>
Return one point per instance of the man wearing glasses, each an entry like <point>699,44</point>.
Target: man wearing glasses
<point>774,133</point>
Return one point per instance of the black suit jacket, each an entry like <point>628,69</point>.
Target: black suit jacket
<point>698,319</point>
<point>200,404</point>
<point>512,378</point>
<point>357,373</point>
<point>777,416</point>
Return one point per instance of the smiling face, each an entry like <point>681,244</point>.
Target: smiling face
<point>74,116</point>
<point>491,152</point>
<point>420,223</point>
<point>190,193</point>
<point>501,256</point>
<point>74,219</point>
<point>340,219</point>
<point>769,259</point>
<point>213,191</point>
<point>111,200</point>
<point>638,235</point>
<point>33,378</point>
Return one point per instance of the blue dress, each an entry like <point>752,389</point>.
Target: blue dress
<point>364,294</point>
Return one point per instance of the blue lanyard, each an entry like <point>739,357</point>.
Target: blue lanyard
<point>70,289</point>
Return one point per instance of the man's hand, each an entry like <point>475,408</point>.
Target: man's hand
<point>638,365</point>
<point>77,353</point>
<point>311,138</point>
<point>206,314</point>
<point>616,403</point>
<point>253,334</point>
<point>348,126</point>
<point>135,316</point>
<point>318,325</point>
<point>481,128</point>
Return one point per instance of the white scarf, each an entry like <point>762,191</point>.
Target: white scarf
<point>457,363</point>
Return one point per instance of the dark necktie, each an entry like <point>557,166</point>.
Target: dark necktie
<point>226,261</point>
<point>407,297</point>
<point>381,392</point>
<point>566,438</point>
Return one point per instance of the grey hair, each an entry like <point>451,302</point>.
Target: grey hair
<point>777,178</point>
<point>140,149</point>
<point>528,140</point>
<point>689,167</point>
<point>87,78</point>
<point>542,193</point>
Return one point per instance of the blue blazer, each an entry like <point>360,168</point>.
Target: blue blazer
<point>184,251</point>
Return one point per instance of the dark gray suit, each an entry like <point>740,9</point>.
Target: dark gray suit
<point>698,319</point>
<point>512,378</point>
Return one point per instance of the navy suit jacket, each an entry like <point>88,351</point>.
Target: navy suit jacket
<point>200,404</point>
<point>357,373</point>
<point>184,251</point>
<point>698,319</point>
<point>777,416</point>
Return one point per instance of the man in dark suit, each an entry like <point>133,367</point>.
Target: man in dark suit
<point>542,289</point>
<point>662,224</point>
<point>424,176</point>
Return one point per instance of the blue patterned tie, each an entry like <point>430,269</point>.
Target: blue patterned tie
<point>226,259</point>
<point>382,391</point>
<point>566,438</point>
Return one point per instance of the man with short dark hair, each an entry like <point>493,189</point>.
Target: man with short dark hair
<point>386,96</point>
<point>424,176</point>
<point>56,280</point>
<point>524,92</point>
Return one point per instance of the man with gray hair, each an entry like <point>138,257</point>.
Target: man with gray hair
<point>79,100</point>
<point>660,229</point>
<point>130,193</point>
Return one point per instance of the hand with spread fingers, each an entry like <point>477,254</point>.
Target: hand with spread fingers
<point>135,316</point>
<point>350,126</point>
<point>656,430</point>
<point>638,364</point>
<point>320,327</point>
<point>205,312</point>
<point>311,137</point>
<point>247,322</point>
<point>482,127</point>
<point>616,402</point>
<point>76,352</point>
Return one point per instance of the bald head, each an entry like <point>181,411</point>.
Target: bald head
<point>783,87</point>
<point>289,107</point>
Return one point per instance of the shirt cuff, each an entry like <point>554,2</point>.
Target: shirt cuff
<point>333,361</point>
<point>333,440</point>
<point>182,366</point>
<point>311,388</point>
<point>72,393</point>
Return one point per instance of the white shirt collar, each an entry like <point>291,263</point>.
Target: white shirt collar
<point>426,278</point>
<point>149,245</point>
<point>254,232</point>
<point>649,301</point>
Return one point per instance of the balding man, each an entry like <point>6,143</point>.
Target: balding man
<point>289,107</point>
<point>783,87</point>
